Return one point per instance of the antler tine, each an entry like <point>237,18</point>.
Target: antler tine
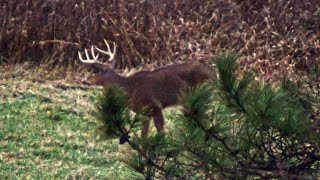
<point>95,57</point>
<point>108,52</point>
<point>88,60</point>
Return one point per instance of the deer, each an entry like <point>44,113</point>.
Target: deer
<point>157,89</point>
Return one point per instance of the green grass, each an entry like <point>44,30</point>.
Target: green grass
<point>50,133</point>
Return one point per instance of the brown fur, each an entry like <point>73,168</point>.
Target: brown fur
<point>156,89</point>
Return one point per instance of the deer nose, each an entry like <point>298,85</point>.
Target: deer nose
<point>85,82</point>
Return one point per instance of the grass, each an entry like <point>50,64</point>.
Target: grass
<point>49,132</point>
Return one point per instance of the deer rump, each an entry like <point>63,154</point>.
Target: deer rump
<point>156,89</point>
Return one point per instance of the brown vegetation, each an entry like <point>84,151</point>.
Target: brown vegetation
<point>272,37</point>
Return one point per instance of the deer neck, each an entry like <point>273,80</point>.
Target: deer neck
<point>119,80</point>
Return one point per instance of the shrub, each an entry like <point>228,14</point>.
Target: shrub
<point>231,128</point>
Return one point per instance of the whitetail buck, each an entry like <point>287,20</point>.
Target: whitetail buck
<point>156,89</point>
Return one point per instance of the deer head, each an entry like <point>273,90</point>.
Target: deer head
<point>103,73</point>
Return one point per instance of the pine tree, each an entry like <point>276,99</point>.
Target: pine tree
<point>232,128</point>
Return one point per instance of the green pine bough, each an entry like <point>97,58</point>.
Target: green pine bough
<point>230,128</point>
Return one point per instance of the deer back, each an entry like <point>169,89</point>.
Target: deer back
<point>193,73</point>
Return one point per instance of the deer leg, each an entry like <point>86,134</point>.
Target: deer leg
<point>145,127</point>
<point>158,119</point>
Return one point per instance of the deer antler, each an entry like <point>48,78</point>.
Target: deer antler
<point>95,57</point>
<point>88,60</point>
<point>108,52</point>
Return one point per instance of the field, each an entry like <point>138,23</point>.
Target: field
<point>48,124</point>
<point>48,130</point>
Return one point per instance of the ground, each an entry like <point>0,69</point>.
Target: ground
<point>48,130</point>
